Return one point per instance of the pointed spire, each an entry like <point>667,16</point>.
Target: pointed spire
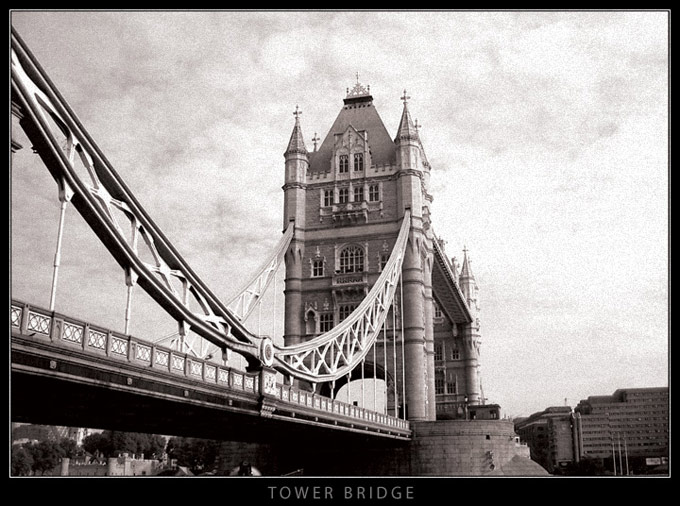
<point>296,143</point>
<point>407,130</point>
<point>466,270</point>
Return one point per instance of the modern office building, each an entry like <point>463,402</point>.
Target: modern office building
<point>550,435</point>
<point>624,433</point>
<point>627,430</point>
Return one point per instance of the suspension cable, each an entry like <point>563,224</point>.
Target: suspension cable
<point>57,253</point>
<point>363,400</point>
<point>385,361</point>
<point>274,319</point>
<point>403,361</point>
<point>128,308</point>
<point>394,355</point>
<point>375,379</point>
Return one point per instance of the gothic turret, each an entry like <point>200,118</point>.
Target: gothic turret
<point>471,331</point>
<point>409,152</point>
<point>297,163</point>
<point>467,282</point>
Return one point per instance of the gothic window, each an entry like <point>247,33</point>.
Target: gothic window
<point>351,260</point>
<point>374,193</point>
<point>437,310</point>
<point>438,351</point>
<point>384,257</point>
<point>325,322</point>
<point>328,198</point>
<point>310,322</point>
<point>343,164</point>
<point>455,354</point>
<point>358,161</point>
<point>343,195</point>
<point>317,268</point>
<point>345,310</point>
<point>358,193</point>
<point>451,387</point>
<point>439,382</point>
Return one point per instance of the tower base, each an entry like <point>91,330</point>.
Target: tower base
<point>439,448</point>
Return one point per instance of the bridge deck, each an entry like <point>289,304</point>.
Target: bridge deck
<point>70,372</point>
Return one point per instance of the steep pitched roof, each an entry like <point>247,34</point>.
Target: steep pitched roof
<point>362,115</point>
<point>407,130</point>
<point>465,270</point>
<point>296,144</point>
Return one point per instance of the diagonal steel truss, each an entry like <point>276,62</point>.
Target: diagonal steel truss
<point>243,304</point>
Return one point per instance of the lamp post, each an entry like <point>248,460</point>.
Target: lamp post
<point>465,400</point>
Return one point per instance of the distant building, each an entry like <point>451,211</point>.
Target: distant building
<point>124,465</point>
<point>625,433</point>
<point>31,432</point>
<point>550,437</point>
<point>628,429</point>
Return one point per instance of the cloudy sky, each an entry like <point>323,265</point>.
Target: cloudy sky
<point>547,133</point>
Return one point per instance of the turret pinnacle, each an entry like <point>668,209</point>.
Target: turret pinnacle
<point>296,143</point>
<point>465,270</point>
<point>407,130</point>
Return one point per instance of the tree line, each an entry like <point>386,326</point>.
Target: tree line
<point>38,458</point>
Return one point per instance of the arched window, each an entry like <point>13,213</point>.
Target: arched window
<point>358,161</point>
<point>343,163</point>
<point>438,351</point>
<point>374,193</point>
<point>317,268</point>
<point>325,322</point>
<point>437,310</point>
<point>351,259</point>
<point>439,382</point>
<point>345,310</point>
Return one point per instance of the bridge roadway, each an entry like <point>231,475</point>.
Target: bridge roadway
<point>68,372</point>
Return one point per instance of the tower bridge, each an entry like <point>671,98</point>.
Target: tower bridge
<point>373,309</point>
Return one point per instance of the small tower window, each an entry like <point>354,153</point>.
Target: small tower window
<point>325,322</point>
<point>317,268</point>
<point>455,354</point>
<point>345,310</point>
<point>358,194</point>
<point>374,193</point>
<point>343,165</point>
<point>438,352</point>
<point>351,260</point>
<point>328,198</point>
<point>358,161</point>
<point>343,195</point>
<point>384,257</point>
<point>451,387</point>
<point>439,382</point>
<point>437,310</point>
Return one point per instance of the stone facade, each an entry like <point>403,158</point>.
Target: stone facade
<point>347,199</point>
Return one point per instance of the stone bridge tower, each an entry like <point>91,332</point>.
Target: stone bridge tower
<point>348,197</point>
